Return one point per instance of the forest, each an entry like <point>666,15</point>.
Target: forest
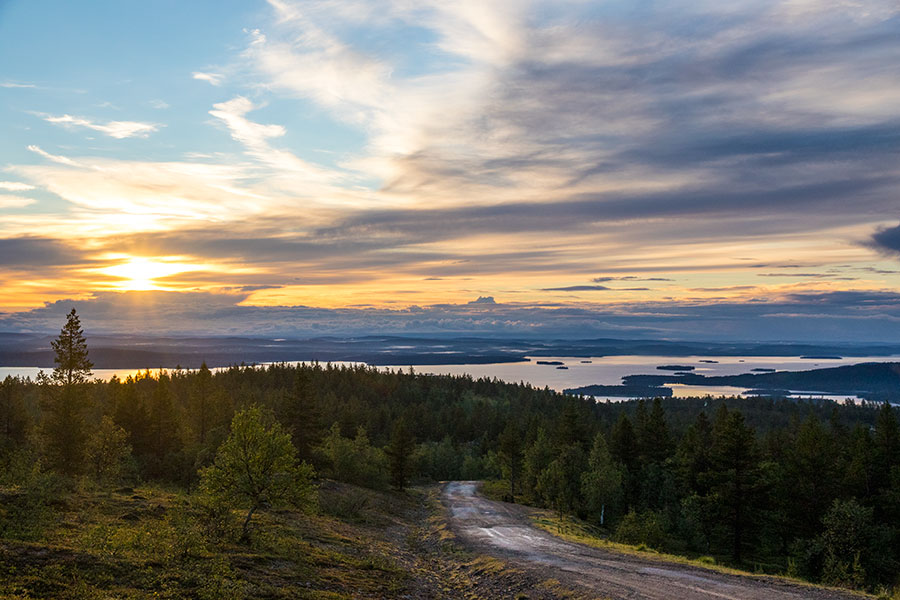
<point>810,489</point>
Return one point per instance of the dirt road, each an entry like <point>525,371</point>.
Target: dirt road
<point>503,530</point>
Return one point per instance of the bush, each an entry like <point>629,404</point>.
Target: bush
<point>645,528</point>
<point>187,533</point>
<point>25,511</point>
<point>354,461</point>
<point>215,519</point>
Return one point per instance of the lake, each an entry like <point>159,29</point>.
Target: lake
<point>603,370</point>
<point>609,370</point>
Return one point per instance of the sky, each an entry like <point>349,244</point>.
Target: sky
<point>627,168</point>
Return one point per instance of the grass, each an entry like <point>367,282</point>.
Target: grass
<point>151,542</point>
<point>156,542</point>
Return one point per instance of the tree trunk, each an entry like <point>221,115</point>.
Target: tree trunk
<point>245,530</point>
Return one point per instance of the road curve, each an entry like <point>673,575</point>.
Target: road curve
<point>504,530</point>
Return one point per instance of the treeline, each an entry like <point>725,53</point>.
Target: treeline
<point>812,497</point>
<point>808,488</point>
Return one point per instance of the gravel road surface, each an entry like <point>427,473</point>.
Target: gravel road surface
<point>504,530</point>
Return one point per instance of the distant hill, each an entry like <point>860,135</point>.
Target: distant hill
<point>144,351</point>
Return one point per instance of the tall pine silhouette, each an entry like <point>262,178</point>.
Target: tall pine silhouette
<point>64,400</point>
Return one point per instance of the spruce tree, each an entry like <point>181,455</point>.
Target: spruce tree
<point>71,354</point>
<point>510,453</point>
<point>887,444</point>
<point>302,415</point>
<point>654,437</point>
<point>624,448</point>
<point>399,452</point>
<point>811,477</point>
<point>13,414</point>
<point>601,484</point>
<point>163,426</point>
<point>64,399</point>
<point>735,477</point>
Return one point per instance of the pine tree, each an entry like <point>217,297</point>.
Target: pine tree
<point>301,413</point>
<point>560,482</point>
<point>207,407</point>
<point>163,425</point>
<point>130,413</point>
<point>64,427</point>
<point>71,354</point>
<point>624,448</point>
<point>654,437</point>
<point>601,484</point>
<point>200,401</point>
<point>13,415</point>
<point>537,457</point>
<point>735,476</point>
<point>399,452</point>
<point>510,454</point>
<point>640,427</point>
<point>811,477</point>
<point>858,472</point>
<point>693,455</point>
<point>887,444</point>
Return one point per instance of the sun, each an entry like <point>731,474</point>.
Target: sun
<point>140,273</point>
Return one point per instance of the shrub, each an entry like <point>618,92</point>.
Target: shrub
<point>644,528</point>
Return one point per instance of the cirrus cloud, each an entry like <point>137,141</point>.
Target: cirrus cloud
<point>114,129</point>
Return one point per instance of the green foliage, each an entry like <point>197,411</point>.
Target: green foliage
<point>221,582</point>
<point>443,460</point>
<point>14,418</point>
<point>300,411</point>
<point>560,481</point>
<point>644,528</point>
<point>735,477</point>
<point>71,354</point>
<point>847,542</point>
<point>537,458</point>
<point>162,427</point>
<point>207,407</point>
<point>399,452</point>
<point>107,452</point>
<point>27,510</point>
<point>510,455</point>
<point>354,460</point>
<point>601,484</point>
<point>754,486</point>
<point>257,467</point>
<point>65,400</point>
<point>215,518</point>
<point>18,464</point>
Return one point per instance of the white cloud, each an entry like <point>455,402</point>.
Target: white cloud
<point>12,201</point>
<point>15,186</point>
<point>159,104</point>
<point>63,160</point>
<point>313,180</point>
<point>114,129</point>
<point>9,84</point>
<point>211,78</point>
<point>145,194</point>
